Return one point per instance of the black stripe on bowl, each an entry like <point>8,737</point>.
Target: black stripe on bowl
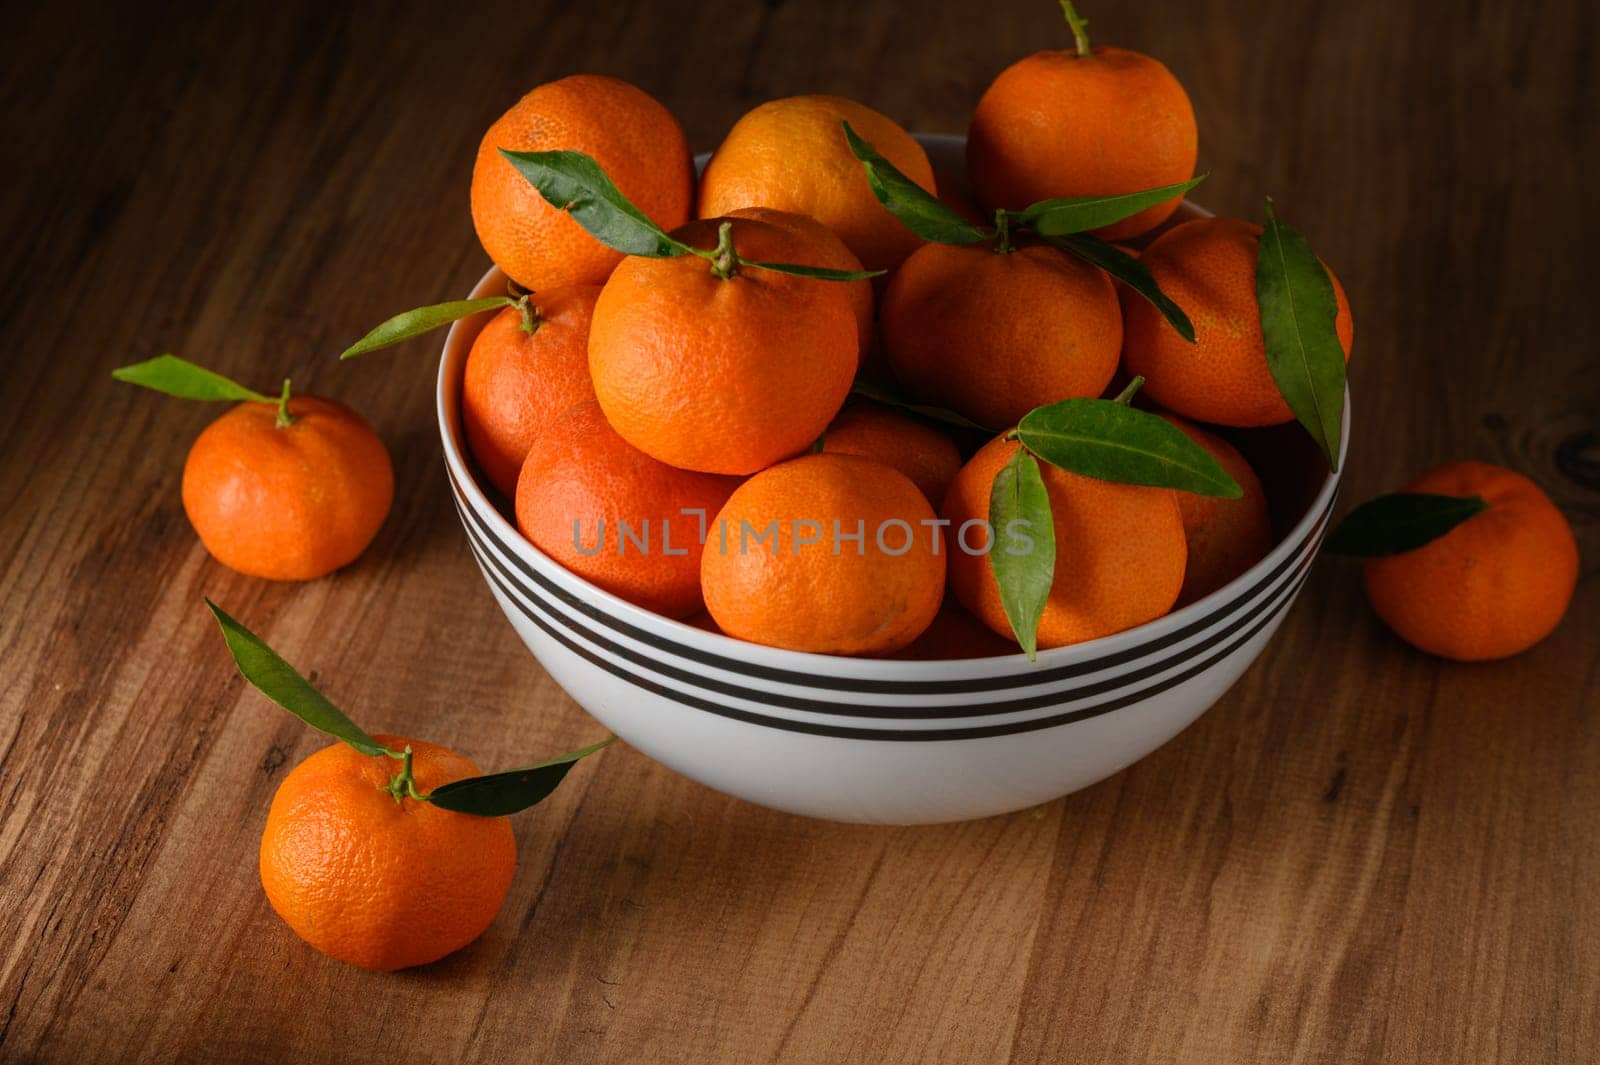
<point>570,629</point>
<point>1030,678</point>
<point>697,702</point>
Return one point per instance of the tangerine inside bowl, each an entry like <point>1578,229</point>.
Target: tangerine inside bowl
<point>882,740</point>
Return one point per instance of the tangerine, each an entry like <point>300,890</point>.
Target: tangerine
<point>1208,267</point>
<point>994,335</point>
<point>719,367</point>
<point>289,502</point>
<point>834,554</point>
<point>792,154</point>
<point>376,881</point>
<point>615,516</point>
<point>1100,121</point>
<point>633,138</point>
<point>1120,550</point>
<point>1491,587</point>
<point>915,448</point>
<point>524,369</point>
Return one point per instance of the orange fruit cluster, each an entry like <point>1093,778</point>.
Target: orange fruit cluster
<point>713,376</point>
<point>711,381</point>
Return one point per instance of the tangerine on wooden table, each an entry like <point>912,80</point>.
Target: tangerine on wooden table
<point>994,334</point>
<point>1120,550</point>
<point>525,368</point>
<point>1063,124</point>
<point>791,154</point>
<point>1208,267</point>
<point>287,502</point>
<point>1491,587</point>
<point>633,138</point>
<point>582,481</point>
<point>378,882</point>
<point>722,374</point>
<point>915,448</point>
<point>777,571</point>
<point>1225,536</point>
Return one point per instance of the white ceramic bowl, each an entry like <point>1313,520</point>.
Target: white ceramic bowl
<point>886,741</point>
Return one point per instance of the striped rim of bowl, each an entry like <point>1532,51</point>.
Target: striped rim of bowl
<point>830,705</point>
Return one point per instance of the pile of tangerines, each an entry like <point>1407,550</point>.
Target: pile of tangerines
<point>802,396</point>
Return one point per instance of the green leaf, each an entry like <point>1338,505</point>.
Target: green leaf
<point>408,324</point>
<point>868,390</point>
<point>821,273</point>
<point>1114,442</point>
<point>1399,522</point>
<point>181,378</point>
<point>278,681</point>
<point>498,794</point>
<point>917,209</point>
<point>573,182</point>
<point>1022,555</point>
<point>1130,271</point>
<point>1297,305</point>
<point>1077,214</point>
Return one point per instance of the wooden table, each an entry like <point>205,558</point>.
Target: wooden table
<point>1361,854</point>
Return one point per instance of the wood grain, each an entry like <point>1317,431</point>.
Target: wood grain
<point>1360,855</point>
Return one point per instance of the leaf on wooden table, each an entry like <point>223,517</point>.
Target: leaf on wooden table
<point>277,680</point>
<point>180,377</point>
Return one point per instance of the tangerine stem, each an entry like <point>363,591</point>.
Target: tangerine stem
<point>1002,232</point>
<point>285,419</point>
<point>1080,28</point>
<point>531,319</point>
<point>1125,397</point>
<point>724,261</point>
<point>402,785</point>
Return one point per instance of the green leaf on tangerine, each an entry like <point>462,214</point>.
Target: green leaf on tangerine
<point>182,378</point>
<point>1114,442</point>
<point>1130,271</point>
<point>820,273</point>
<point>278,681</point>
<point>917,209</point>
<point>498,794</point>
<point>1399,522</point>
<point>1078,214</point>
<point>573,182</point>
<point>1022,546</point>
<point>1295,297</point>
<point>408,324</point>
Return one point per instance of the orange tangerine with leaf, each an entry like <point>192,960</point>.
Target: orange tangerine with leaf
<point>636,140</point>
<point>1208,266</point>
<point>379,851</point>
<point>1088,121</point>
<point>721,365</point>
<point>288,488</point>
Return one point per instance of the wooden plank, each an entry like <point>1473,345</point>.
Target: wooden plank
<point>1360,854</point>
